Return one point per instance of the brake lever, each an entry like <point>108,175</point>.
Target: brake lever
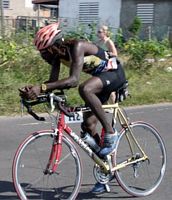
<point>52,102</point>
<point>59,101</point>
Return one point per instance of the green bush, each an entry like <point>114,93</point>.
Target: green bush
<point>135,27</point>
<point>87,32</point>
<point>140,51</point>
<point>119,39</point>
<point>21,64</point>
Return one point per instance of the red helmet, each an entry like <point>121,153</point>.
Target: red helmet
<point>47,35</point>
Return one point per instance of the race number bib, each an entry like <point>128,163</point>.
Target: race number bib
<point>77,118</point>
<point>112,63</point>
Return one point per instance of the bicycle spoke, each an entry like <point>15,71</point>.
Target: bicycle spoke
<point>64,158</point>
<point>30,163</point>
<point>141,178</point>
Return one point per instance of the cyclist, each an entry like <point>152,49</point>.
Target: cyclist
<point>80,55</point>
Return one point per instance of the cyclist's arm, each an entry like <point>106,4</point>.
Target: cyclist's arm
<point>77,56</point>
<point>111,48</point>
<point>79,50</point>
<point>55,70</point>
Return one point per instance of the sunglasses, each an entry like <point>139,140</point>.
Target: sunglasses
<point>49,49</point>
<point>99,31</point>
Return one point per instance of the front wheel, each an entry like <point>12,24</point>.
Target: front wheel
<point>140,178</point>
<point>29,164</point>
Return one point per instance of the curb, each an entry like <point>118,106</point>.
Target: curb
<point>127,108</point>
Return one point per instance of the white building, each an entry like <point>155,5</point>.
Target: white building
<point>22,13</point>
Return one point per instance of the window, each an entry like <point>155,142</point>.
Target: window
<point>145,11</point>
<point>88,12</point>
<point>6,4</point>
<point>53,12</point>
<point>33,23</point>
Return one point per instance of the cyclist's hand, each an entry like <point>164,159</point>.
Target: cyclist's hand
<point>23,92</point>
<point>30,92</point>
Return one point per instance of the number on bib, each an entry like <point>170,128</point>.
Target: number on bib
<point>77,118</point>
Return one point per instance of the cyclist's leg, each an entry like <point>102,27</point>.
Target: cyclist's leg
<point>96,91</point>
<point>112,98</point>
<point>90,122</point>
<point>112,80</point>
<point>88,91</point>
<point>89,125</point>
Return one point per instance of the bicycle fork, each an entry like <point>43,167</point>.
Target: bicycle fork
<point>55,154</point>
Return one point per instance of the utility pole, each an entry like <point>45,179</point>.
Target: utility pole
<point>2,18</point>
<point>38,16</point>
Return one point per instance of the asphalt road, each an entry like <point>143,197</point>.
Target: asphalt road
<point>14,129</point>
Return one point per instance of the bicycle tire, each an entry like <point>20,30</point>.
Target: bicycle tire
<point>30,161</point>
<point>143,178</point>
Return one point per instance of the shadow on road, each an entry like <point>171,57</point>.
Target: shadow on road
<point>7,192</point>
<point>7,187</point>
<point>84,195</point>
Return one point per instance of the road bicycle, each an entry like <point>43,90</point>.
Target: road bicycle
<point>47,164</point>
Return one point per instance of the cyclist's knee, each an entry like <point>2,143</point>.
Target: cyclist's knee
<point>84,89</point>
<point>89,125</point>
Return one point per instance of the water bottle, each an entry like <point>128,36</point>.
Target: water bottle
<point>86,137</point>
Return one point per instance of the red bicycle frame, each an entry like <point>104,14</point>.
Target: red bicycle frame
<point>57,146</point>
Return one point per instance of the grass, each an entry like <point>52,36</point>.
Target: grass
<point>150,87</point>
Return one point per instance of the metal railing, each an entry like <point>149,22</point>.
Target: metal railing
<point>27,24</point>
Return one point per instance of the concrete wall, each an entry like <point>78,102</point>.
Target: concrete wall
<point>162,17</point>
<point>163,12</point>
<point>109,11</point>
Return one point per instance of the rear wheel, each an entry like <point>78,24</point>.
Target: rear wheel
<point>29,164</point>
<point>143,177</point>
